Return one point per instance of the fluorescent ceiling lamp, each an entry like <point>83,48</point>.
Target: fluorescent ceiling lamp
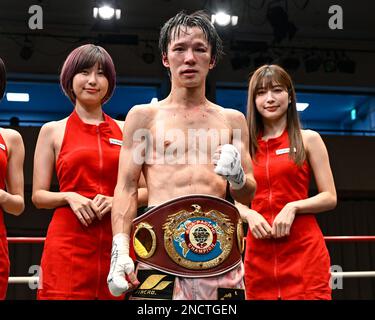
<point>223,19</point>
<point>106,13</point>
<point>18,97</point>
<point>234,20</point>
<point>302,106</point>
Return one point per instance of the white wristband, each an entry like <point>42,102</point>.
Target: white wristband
<point>229,166</point>
<point>121,241</point>
<point>238,181</point>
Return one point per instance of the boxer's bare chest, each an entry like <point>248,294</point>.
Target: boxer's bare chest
<point>196,133</point>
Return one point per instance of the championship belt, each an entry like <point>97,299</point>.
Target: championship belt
<point>191,236</point>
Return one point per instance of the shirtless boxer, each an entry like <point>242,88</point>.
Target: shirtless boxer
<point>190,47</point>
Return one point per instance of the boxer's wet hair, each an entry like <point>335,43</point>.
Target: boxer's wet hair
<point>85,57</point>
<point>181,22</point>
<point>266,77</point>
<point>3,78</point>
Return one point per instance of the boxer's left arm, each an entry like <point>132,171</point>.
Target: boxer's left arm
<point>235,162</point>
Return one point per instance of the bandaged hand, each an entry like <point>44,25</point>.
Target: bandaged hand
<point>121,275</point>
<point>227,161</point>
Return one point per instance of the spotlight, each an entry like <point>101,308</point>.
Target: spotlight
<point>106,12</point>
<point>345,64</point>
<point>312,63</point>
<point>330,63</point>
<point>27,50</point>
<point>223,19</point>
<point>282,27</point>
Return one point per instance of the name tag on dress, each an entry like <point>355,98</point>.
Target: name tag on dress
<point>285,150</point>
<point>115,141</point>
<point>2,146</point>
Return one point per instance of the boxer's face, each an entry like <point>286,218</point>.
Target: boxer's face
<point>90,85</point>
<point>188,57</point>
<point>272,101</point>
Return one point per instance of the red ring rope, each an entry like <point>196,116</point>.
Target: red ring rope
<point>327,238</point>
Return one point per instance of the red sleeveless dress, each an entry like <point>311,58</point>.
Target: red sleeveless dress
<point>292,267</point>
<point>4,257</point>
<point>76,259</point>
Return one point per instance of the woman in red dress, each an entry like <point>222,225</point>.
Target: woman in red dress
<point>12,154</point>
<point>84,148</point>
<point>286,256</point>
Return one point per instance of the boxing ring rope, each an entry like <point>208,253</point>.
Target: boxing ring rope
<point>22,280</point>
<point>326,238</point>
<point>349,238</point>
<point>347,274</point>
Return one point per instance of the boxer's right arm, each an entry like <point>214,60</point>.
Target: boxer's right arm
<point>124,207</point>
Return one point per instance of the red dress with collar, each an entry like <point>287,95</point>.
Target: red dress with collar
<point>292,267</point>
<point>4,257</point>
<point>76,259</point>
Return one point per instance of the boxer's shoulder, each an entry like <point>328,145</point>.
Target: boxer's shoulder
<point>234,117</point>
<point>142,113</point>
<point>143,108</point>
<point>228,112</point>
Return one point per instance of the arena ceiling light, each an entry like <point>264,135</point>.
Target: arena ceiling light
<point>18,97</point>
<point>302,106</point>
<point>223,19</point>
<point>106,12</point>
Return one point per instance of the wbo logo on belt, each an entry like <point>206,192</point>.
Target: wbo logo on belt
<point>198,240</point>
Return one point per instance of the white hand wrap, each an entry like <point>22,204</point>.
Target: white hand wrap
<point>121,264</point>
<point>229,166</point>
